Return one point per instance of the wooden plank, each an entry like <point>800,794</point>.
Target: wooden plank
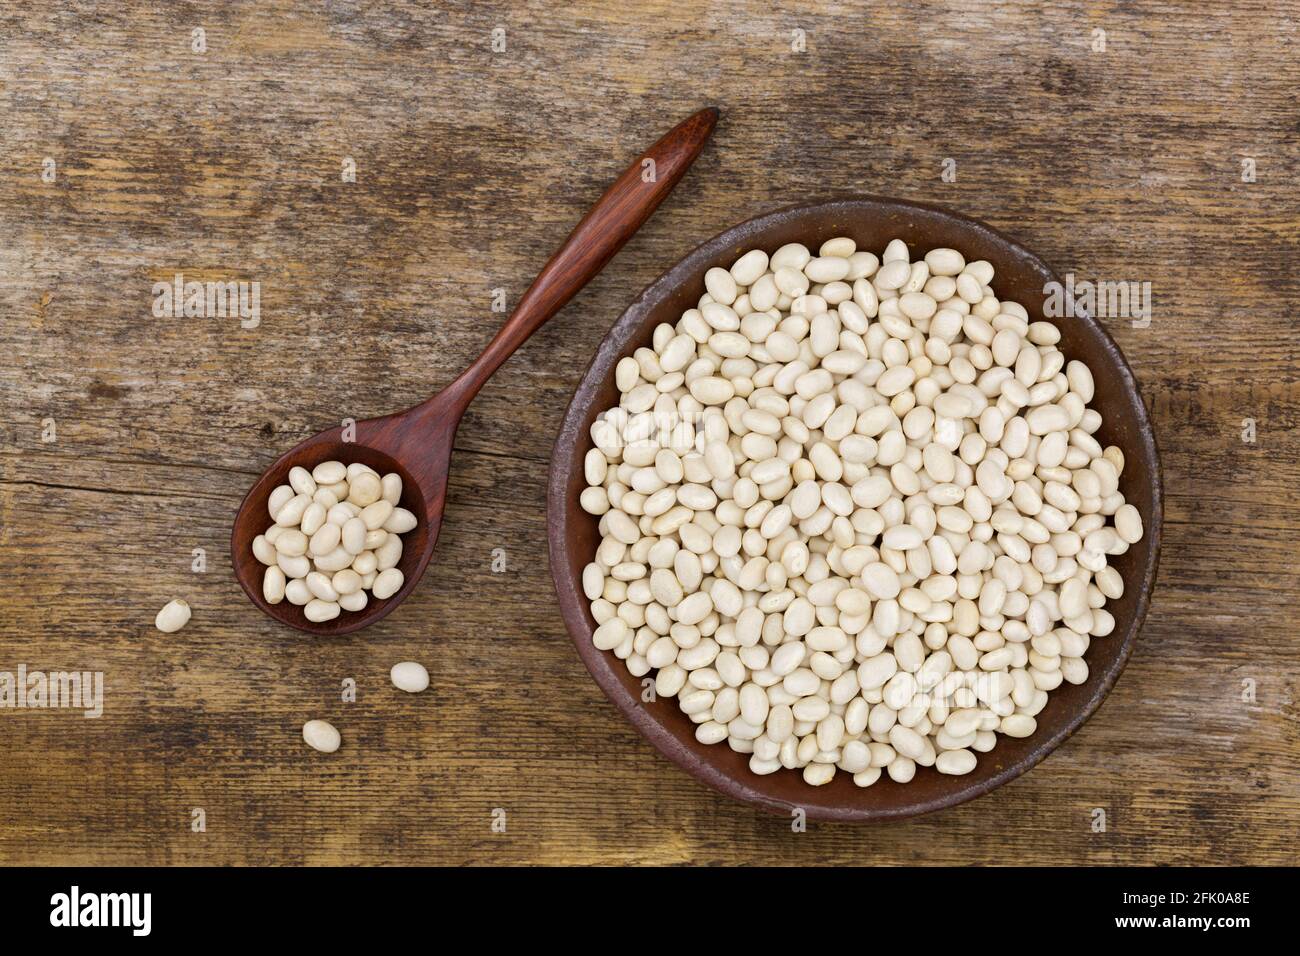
<point>470,167</point>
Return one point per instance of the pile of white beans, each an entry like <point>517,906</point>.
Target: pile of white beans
<point>336,535</point>
<point>852,513</point>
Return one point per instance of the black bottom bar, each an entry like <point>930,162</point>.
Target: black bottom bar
<point>334,905</point>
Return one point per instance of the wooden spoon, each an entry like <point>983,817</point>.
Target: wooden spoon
<point>416,443</point>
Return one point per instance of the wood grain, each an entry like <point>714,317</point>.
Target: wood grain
<point>471,165</point>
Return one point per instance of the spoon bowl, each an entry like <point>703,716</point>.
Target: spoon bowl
<point>416,443</point>
<point>377,443</point>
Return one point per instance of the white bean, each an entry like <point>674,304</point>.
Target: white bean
<point>321,735</point>
<point>357,600</point>
<point>278,499</point>
<point>294,566</point>
<point>389,553</point>
<point>173,616</point>
<point>375,514</point>
<point>353,535</point>
<point>750,267</point>
<point>365,489</point>
<point>409,676</point>
<point>326,539</point>
<point>347,581</point>
<point>955,762</point>
<point>297,592</point>
<point>319,585</point>
<point>400,521</point>
<point>273,582</point>
<point>290,515</point>
<point>329,472</point>
<point>388,583</point>
<point>291,542</point>
<point>319,611</point>
<point>1128,524</point>
<point>391,484</point>
<point>313,519</point>
<point>263,550</point>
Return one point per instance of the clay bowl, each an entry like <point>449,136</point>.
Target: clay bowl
<point>1020,276</point>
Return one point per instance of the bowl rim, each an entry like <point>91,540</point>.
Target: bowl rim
<point>616,342</point>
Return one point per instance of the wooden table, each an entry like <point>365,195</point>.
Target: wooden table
<point>471,165</point>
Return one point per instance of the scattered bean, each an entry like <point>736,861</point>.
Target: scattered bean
<point>173,616</point>
<point>321,735</point>
<point>410,676</point>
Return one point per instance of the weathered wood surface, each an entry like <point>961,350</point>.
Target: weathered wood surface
<point>471,165</point>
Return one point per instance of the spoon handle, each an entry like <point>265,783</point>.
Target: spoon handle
<point>618,214</point>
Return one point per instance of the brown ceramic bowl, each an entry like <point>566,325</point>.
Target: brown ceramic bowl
<point>1021,275</point>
